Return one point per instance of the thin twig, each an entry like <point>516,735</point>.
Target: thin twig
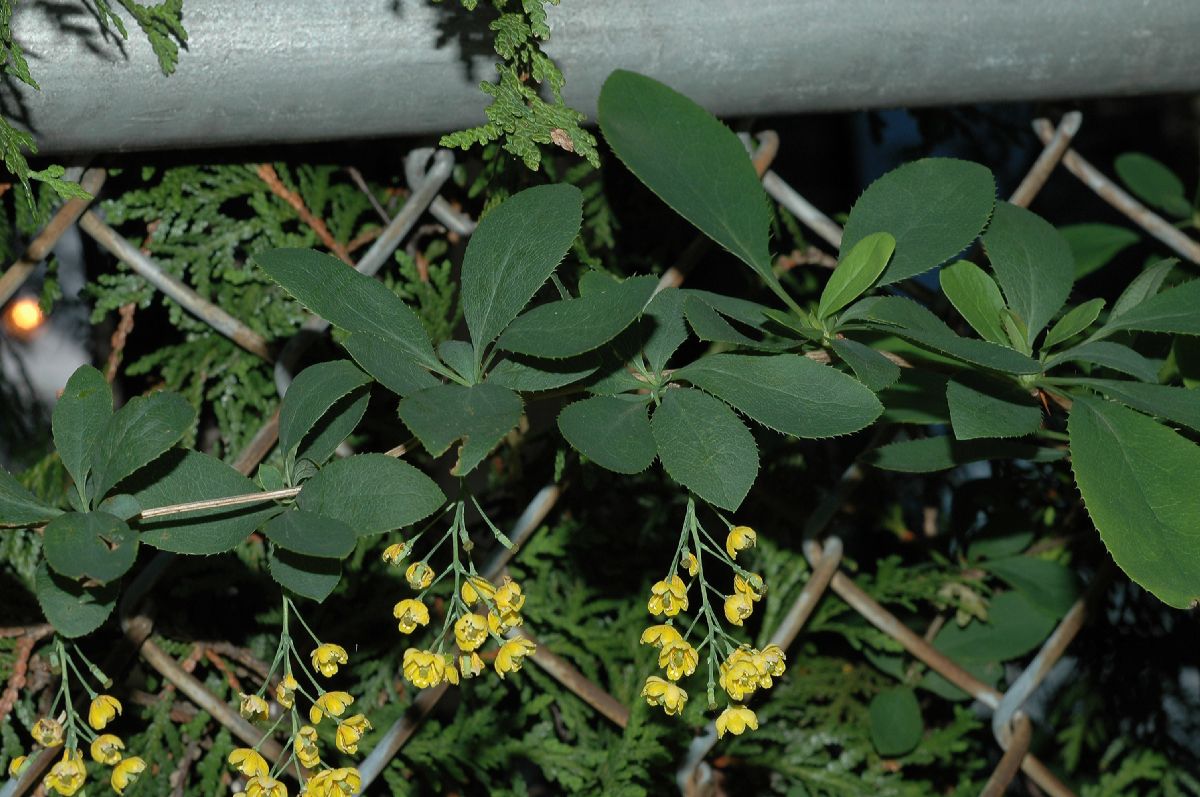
<point>40,246</point>
<point>357,177</point>
<point>802,209</point>
<point>119,337</point>
<point>217,503</point>
<point>566,674</point>
<point>1147,219</point>
<point>208,312</point>
<point>269,176</point>
<point>1068,126</point>
<point>1010,762</point>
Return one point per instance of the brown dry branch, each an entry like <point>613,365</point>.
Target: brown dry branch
<point>39,248</point>
<point>269,176</point>
<point>119,337</point>
<point>1111,193</point>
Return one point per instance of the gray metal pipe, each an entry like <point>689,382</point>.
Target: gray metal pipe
<point>263,71</point>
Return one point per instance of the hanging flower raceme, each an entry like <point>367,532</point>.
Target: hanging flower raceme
<point>739,670</point>
<point>303,747</point>
<point>475,611</point>
<point>74,732</point>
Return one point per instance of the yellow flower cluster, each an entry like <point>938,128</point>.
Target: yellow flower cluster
<point>261,780</point>
<point>68,775</point>
<point>744,669</point>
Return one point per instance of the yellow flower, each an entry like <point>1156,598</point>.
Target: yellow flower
<point>451,675</point>
<point>248,762</point>
<point>773,660</point>
<point>346,780</point>
<point>664,693</point>
<point>668,597</point>
<point>102,711</point>
<point>690,564</point>
<point>678,658</point>
<point>423,668</point>
<point>394,554</point>
<point>736,719</point>
<point>305,745</point>
<point>67,776</point>
<point>411,613</point>
<point>475,588</point>
<point>470,631</point>
<point>350,731</point>
<point>330,704</point>
<point>17,766</point>
<point>752,587</point>
<point>659,635</point>
<point>738,607</point>
<point>739,676</point>
<point>740,538</point>
<point>106,749</point>
<point>319,785</point>
<point>125,774</point>
<point>470,664</point>
<point>512,653</point>
<point>265,786</point>
<point>509,598</point>
<point>253,707</point>
<point>501,623</point>
<point>47,732</point>
<point>327,657</point>
<point>285,691</point>
<point>419,574</point>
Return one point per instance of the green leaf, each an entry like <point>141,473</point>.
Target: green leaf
<point>1174,310</point>
<point>480,415</point>
<point>512,253</point>
<point>1015,627</point>
<point>786,392</point>
<point>313,392</point>
<point>337,424</point>
<point>348,299</point>
<point>995,546</point>
<point>1138,481</point>
<point>934,208</point>
<point>459,355</point>
<point>711,326</point>
<point>79,416</point>
<point>856,272</point>
<point>93,545</point>
<point>371,493</point>
<point>1153,183</point>
<point>311,534</point>
<point>705,447</point>
<point>976,297</point>
<point>1049,586</point>
<point>570,327</point>
<point>1108,355</point>
<point>19,507</point>
<point>183,476</point>
<point>982,406</point>
<point>1177,404</point>
<point>1094,245</point>
<point>663,318</point>
<point>72,609</point>
<point>932,454</point>
<point>1076,320</point>
<point>896,724</point>
<point>531,377</point>
<point>136,435</point>
<point>388,363</point>
<point>1033,264</point>
<point>121,505</point>
<point>692,161</point>
<point>910,320</point>
<point>612,431</point>
<point>918,396</point>
<point>872,368</point>
<point>1143,286</point>
<point>312,577</point>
